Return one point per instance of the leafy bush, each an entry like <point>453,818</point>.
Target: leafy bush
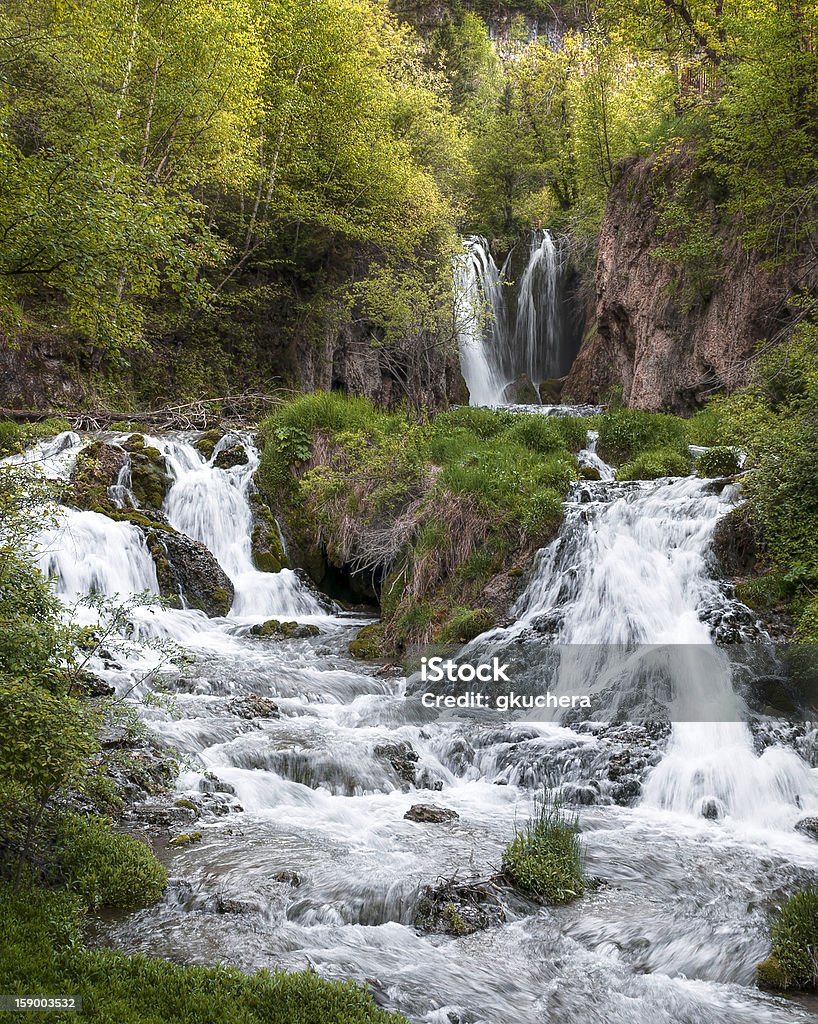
<point>544,859</point>
<point>720,460</point>
<point>626,433</point>
<point>105,868</point>
<point>793,962</point>
<point>654,464</point>
<point>39,935</point>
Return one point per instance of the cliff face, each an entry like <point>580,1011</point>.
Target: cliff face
<point>646,334</point>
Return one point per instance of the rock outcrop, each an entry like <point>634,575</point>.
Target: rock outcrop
<point>664,336</point>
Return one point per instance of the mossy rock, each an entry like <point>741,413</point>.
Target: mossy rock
<point>186,839</point>
<point>232,454</point>
<point>589,473</point>
<point>275,629</point>
<point>97,467</point>
<point>150,479</point>
<point>369,642</point>
<point>206,443</point>
<point>265,539</point>
<point>187,570</point>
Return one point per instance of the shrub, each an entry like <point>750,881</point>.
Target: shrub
<point>720,460</point>
<point>626,433</point>
<point>793,962</point>
<point>107,868</point>
<point>544,859</point>
<point>654,464</point>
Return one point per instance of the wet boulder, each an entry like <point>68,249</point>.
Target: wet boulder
<point>274,629</point>
<point>231,452</point>
<point>521,391</point>
<point>734,543</point>
<point>808,827</point>
<point>455,908</point>
<point>402,757</point>
<point>188,572</point>
<point>97,468</point>
<point>265,539</point>
<point>253,705</point>
<point>206,443</point>
<point>150,479</point>
<point>430,814</point>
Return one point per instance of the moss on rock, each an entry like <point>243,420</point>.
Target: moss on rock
<point>275,629</point>
<point>267,548</point>
<point>369,642</point>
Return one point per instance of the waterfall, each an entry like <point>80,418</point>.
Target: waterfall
<point>504,330</point>
<point>632,570</point>
<point>88,553</point>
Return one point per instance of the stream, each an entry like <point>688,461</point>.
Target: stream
<point>680,917</point>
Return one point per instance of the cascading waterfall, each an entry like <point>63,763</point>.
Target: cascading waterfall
<point>311,793</point>
<point>88,553</point>
<point>500,339</point>
<point>537,330</point>
<point>211,505</point>
<point>631,570</point>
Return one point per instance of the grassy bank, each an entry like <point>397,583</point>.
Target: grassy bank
<point>41,933</point>
<point>439,517</point>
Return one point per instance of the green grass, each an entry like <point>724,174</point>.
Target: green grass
<point>544,859</point>
<point>654,464</point>
<point>626,433</point>
<point>43,954</point>
<point>793,962</point>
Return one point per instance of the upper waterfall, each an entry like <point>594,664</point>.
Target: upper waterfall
<point>507,328</point>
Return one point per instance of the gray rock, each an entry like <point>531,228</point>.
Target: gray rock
<point>402,757</point>
<point>808,827</point>
<point>521,391</point>
<point>430,814</point>
<point>253,705</point>
<point>186,569</point>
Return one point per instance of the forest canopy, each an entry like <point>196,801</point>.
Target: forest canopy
<point>165,164</point>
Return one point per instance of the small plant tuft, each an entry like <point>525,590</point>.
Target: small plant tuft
<point>544,859</point>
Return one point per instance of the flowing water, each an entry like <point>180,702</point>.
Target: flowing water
<point>672,933</point>
<point>507,329</point>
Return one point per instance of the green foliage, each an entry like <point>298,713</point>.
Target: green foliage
<point>654,464</point>
<point>544,859</point>
<point>16,437</point>
<point>719,460</point>
<point>465,624</point>
<point>105,868</point>
<point>39,933</point>
<point>436,508</point>
<point>626,433</point>
<point>793,963</point>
